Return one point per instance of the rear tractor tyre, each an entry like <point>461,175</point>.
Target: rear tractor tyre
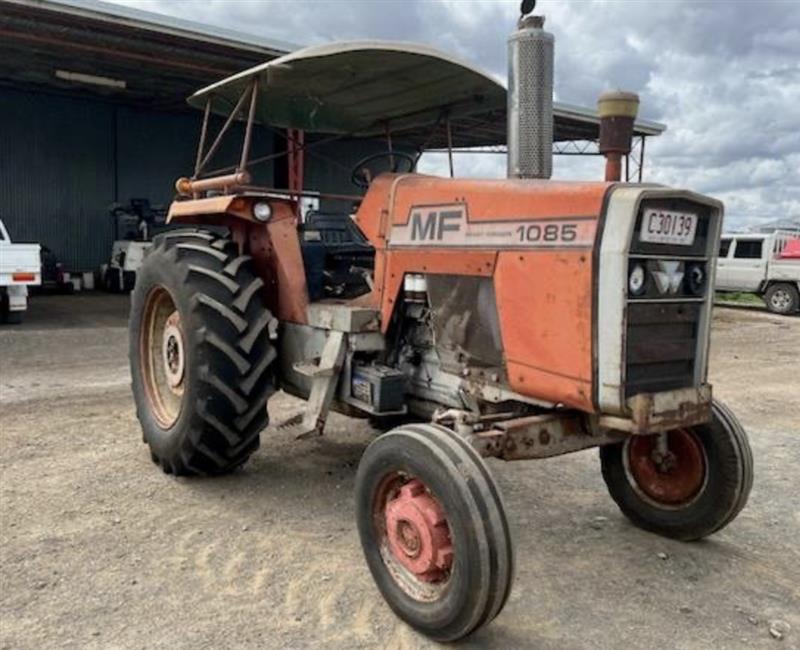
<point>697,488</point>
<point>782,298</point>
<point>434,531</point>
<point>200,354</point>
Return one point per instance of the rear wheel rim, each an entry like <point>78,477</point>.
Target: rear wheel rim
<point>414,536</point>
<point>163,357</point>
<point>672,481</point>
<point>781,299</point>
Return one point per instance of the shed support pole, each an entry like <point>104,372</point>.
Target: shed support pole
<point>641,159</point>
<point>449,146</point>
<point>389,144</point>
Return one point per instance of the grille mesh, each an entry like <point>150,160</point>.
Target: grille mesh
<point>661,346</point>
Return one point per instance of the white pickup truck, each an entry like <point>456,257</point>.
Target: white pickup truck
<point>767,265</point>
<point>20,267</point>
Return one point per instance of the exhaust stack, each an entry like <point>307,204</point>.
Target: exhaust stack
<point>617,110</point>
<point>530,98</point>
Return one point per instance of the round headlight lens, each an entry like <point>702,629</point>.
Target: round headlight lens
<point>262,211</point>
<point>636,280</point>
<point>696,279</point>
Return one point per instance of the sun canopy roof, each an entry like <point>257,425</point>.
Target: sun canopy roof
<point>362,88</point>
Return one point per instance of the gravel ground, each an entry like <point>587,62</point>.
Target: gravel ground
<point>101,550</point>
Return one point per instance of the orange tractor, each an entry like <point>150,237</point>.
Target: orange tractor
<point>516,318</point>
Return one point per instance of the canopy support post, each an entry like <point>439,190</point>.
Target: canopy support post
<point>218,140</point>
<point>248,132</point>
<point>295,161</point>
<point>203,132</point>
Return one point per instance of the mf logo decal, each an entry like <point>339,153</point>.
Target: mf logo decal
<point>432,224</point>
<point>450,226</point>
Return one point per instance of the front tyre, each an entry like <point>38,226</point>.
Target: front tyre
<point>694,488</point>
<point>200,355</point>
<point>434,531</point>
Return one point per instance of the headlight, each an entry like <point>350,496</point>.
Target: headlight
<point>695,279</point>
<point>636,280</point>
<point>262,211</point>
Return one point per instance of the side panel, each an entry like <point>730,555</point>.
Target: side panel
<point>545,304</point>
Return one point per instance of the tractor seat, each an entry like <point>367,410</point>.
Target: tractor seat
<point>338,259</point>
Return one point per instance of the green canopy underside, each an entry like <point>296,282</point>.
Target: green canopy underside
<point>366,88</point>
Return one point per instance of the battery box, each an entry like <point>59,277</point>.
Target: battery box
<point>382,388</point>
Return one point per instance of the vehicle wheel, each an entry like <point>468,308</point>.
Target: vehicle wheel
<point>782,298</point>
<point>6,315</point>
<point>692,491</point>
<point>111,280</point>
<point>199,352</point>
<point>434,531</point>
<point>14,317</point>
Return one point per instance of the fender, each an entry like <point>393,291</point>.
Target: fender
<point>274,245</point>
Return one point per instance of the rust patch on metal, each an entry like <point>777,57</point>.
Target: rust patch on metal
<point>542,436</point>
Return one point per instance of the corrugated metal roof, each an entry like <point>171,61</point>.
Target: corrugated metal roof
<point>161,23</point>
<point>149,60</point>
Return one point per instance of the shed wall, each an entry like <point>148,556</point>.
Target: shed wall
<point>57,174</point>
<point>64,160</point>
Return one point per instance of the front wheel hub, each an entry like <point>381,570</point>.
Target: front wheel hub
<point>417,532</point>
<point>672,477</point>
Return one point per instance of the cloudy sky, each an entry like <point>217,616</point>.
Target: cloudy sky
<point>723,75</point>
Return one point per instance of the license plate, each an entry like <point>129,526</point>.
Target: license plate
<point>668,227</point>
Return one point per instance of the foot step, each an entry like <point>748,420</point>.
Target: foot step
<point>312,369</point>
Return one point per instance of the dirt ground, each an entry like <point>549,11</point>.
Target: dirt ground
<point>102,550</point>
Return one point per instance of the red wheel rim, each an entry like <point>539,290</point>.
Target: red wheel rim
<point>416,543</point>
<point>672,479</point>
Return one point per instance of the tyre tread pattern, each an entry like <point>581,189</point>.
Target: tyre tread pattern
<point>233,385</point>
<point>482,498</point>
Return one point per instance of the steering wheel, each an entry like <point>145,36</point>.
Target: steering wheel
<point>362,175</point>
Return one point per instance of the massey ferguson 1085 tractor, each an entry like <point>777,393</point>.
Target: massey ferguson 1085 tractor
<point>513,318</point>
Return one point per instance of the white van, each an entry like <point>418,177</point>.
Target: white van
<point>767,265</point>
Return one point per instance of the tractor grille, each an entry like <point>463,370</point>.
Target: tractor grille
<point>662,345</point>
<point>665,320</point>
